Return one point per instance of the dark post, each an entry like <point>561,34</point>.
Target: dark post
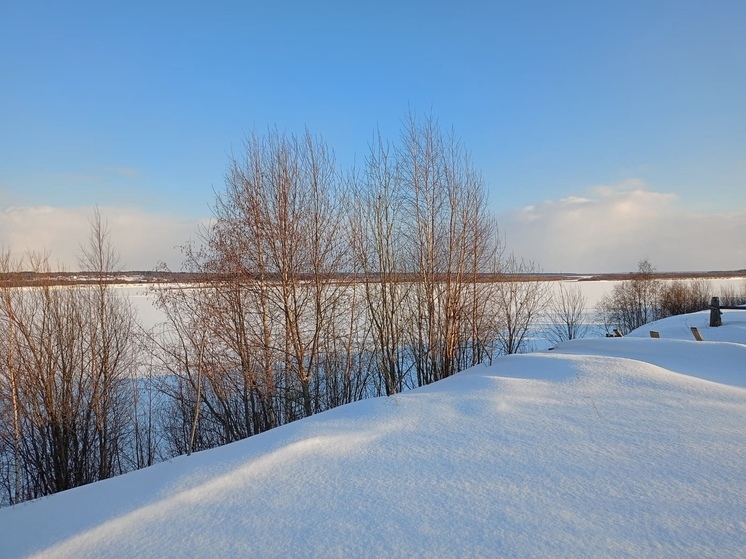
<point>715,312</point>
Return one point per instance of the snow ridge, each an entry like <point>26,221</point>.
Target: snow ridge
<point>624,447</point>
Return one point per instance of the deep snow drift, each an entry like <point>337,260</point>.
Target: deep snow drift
<point>621,447</point>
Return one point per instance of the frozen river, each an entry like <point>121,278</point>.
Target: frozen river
<point>592,290</point>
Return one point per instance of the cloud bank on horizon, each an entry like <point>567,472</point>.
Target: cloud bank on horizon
<point>612,228</point>
<point>142,239</point>
<point>606,229</point>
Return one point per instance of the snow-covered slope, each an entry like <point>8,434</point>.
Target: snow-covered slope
<point>627,447</point>
<point>679,327</point>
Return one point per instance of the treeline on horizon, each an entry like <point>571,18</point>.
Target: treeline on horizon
<point>25,279</point>
<point>134,277</point>
<point>87,393</point>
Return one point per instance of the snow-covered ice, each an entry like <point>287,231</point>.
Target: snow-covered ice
<point>622,447</point>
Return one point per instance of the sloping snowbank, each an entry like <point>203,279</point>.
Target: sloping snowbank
<point>679,327</point>
<point>628,447</point>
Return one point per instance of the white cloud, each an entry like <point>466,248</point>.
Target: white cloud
<point>142,239</point>
<point>611,228</point>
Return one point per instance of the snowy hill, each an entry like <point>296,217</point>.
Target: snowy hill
<point>623,447</point>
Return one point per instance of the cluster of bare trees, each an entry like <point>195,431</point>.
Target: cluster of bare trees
<point>328,287</point>
<point>682,297</point>
<point>732,295</point>
<point>67,358</point>
<point>632,303</point>
<point>321,287</point>
<point>643,299</point>
<point>423,239</point>
<point>272,337</point>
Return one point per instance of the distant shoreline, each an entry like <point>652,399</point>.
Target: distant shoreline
<point>22,279</point>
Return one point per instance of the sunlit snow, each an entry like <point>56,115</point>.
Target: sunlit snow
<point>607,447</point>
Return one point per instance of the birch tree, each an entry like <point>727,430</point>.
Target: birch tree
<point>452,240</point>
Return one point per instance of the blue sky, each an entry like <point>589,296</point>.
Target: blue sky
<point>569,109</point>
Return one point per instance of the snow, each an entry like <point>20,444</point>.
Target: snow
<point>607,447</point>
<point>141,299</point>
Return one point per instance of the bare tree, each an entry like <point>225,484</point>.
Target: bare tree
<point>521,295</point>
<point>451,239</point>
<point>210,396</point>
<point>147,404</point>
<point>10,437</point>
<point>67,361</point>
<point>379,245</point>
<point>113,351</point>
<point>567,312</point>
<point>632,303</point>
<point>53,390</point>
<point>288,200</point>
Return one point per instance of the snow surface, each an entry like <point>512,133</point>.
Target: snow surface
<point>620,447</point>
